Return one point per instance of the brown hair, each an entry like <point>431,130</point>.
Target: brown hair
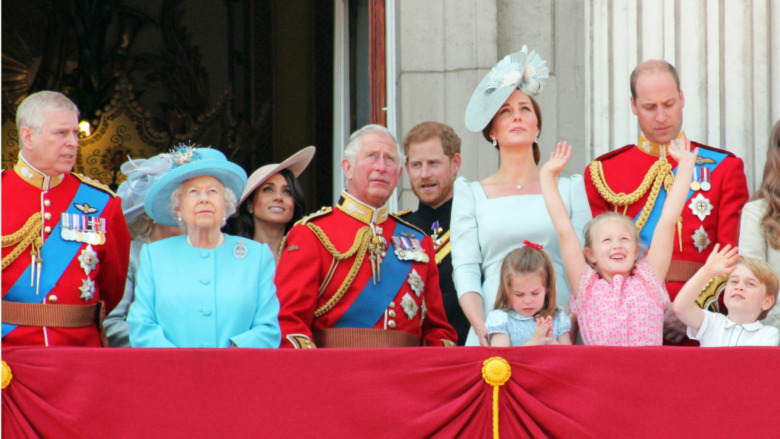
<point>538,111</point>
<point>450,142</point>
<point>770,190</point>
<point>524,260</point>
<point>653,65</point>
<point>766,275</point>
<point>587,231</point>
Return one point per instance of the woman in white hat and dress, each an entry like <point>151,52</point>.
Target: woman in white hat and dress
<point>205,288</point>
<point>141,175</point>
<point>493,216</point>
<point>273,201</point>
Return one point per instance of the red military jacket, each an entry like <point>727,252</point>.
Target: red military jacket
<point>25,192</point>
<point>308,278</point>
<point>625,168</point>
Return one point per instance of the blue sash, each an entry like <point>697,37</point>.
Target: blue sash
<point>655,214</point>
<point>372,302</point>
<point>56,252</point>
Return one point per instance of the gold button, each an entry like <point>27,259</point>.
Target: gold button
<point>47,216</point>
<point>47,229</point>
<point>392,305</point>
<point>391,323</point>
<point>47,203</point>
<point>391,313</point>
<point>52,299</point>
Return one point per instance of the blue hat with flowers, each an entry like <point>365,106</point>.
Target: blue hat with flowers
<point>190,161</point>
<point>141,175</point>
<point>521,70</point>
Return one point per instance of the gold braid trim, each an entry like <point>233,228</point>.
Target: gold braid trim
<point>29,234</point>
<point>359,248</point>
<point>658,174</point>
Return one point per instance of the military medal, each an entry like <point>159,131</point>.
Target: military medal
<point>87,289</point>
<point>409,248</point>
<point>436,233</point>
<point>239,251</point>
<point>705,179</point>
<point>701,206</point>
<point>96,229</point>
<point>66,230</point>
<point>695,186</point>
<point>409,306</point>
<point>416,282</point>
<point>88,259</point>
<point>700,239</point>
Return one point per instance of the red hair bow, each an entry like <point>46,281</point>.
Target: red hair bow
<point>533,244</point>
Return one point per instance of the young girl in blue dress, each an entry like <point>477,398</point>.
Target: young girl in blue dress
<point>525,313</point>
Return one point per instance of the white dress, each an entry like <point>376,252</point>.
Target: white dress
<point>753,244</point>
<point>485,230</point>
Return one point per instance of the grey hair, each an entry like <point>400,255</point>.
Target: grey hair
<point>354,142</point>
<point>31,111</point>
<point>230,204</point>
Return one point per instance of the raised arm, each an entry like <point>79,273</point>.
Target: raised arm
<point>571,252</point>
<point>659,255</point>
<point>720,261</point>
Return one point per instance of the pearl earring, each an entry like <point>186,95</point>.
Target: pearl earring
<point>495,142</point>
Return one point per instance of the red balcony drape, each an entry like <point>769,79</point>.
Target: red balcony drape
<point>554,391</point>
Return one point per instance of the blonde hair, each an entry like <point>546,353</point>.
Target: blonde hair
<point>527,260</point>
<point>587,232</point>
<point>770,190</point>
<point>766,276</point>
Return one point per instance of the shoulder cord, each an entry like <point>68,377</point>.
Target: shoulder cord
<point>359,248</point>
<point>28,235</point>
<point>659,174</point>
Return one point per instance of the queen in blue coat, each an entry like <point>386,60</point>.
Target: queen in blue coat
<point>205,288</point>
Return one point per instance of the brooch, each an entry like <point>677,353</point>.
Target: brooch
<point>239,251</point>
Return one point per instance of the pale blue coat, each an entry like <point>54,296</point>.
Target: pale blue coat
<point>190,297</point>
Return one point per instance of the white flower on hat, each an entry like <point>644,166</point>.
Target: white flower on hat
<point>529,72</point>
<point>511,78</point>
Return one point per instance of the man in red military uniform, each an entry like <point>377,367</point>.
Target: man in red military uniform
<point>65,242</point>
<point>633,180</point>
<point>354,276</point>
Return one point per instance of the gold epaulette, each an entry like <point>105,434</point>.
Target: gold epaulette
<point>94,183</point>
<point>406,223</point>
<point>322,212</point>
<point>402,213</point>
<point>708,296</point>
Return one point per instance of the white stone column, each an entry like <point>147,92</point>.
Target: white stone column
<point>444,50</point>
